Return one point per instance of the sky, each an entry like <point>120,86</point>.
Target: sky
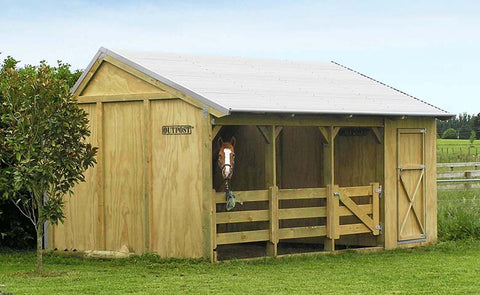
<point>428,49</point>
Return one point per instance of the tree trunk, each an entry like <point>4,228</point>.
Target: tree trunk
<point>39,247</point>
<point>39,228</point>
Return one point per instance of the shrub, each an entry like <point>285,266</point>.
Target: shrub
<point>450,133</point>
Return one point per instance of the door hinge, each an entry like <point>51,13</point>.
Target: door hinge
<point>380,228</point>
<point>379,191</point>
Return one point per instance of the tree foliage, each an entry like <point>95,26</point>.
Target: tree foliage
<point>463,124</point>
<point>43,149</point>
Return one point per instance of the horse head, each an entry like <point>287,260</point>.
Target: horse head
<point>226,157</point>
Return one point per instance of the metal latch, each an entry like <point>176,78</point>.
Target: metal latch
<point>337,195</point>
<point>379,228</point>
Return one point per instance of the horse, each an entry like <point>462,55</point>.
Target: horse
<point>226,163</point>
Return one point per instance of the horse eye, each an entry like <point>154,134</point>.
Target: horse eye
<point>233,156</point>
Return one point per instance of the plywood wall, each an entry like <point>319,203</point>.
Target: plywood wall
<point>301,157</point>
<point>124,179</point>
<point>79,231</point>
<point>390,195</point>
<point>176,201</point>
<point>355,159</point>
<point>111,80</point>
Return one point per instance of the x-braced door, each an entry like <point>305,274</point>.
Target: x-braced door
<point>411,184</point>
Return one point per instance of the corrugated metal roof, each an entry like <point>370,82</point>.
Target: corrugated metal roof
<point>275,86</point>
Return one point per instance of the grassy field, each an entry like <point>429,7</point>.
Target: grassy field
<point>457,150</point>
<point>450,267</point>
<point>446,268</point>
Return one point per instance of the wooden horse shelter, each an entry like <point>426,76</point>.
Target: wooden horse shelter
<point>326,158</point>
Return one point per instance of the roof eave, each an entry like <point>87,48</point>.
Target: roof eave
<point>103,52</point>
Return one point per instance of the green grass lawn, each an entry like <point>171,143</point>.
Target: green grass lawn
<point>446,268</point>
<point>457,150</point>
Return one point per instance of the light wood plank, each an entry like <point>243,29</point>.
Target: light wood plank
<point>378,134</point>
<point>124,97</point>
<point>302,193</point>
<point>356,191</point>
<point>302,232</point>
<point>352,206</point>
<point>299,120</point>
<point>344,211</point>
<point>244,196</point>
<point>242,216</point>
<point>351,229</point>
<point>243,237</point>
<point>308,212</point>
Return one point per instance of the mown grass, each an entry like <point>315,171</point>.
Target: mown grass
<point>450,267</point>
<point>457,150</point>
<point>446,268</point>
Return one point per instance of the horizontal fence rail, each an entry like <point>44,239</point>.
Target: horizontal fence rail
<point>464,179</point>
<point>297,213</point>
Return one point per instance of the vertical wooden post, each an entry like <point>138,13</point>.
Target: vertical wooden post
<point>213,228</point>
<point>148,171</point>
<point>208,198</point>
<point>101,242</point>
<point>375,206</point>
<point>271,183</point>
<point>273,215</point>
<point>380,178</point>
<point>329,181</point>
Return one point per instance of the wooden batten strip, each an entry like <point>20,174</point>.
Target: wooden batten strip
<point>125,97</point>
<point>308,212</point>
<point>356,191</point>
<point>243,237</point>
<point>242,216</point>
<point>356,228</point>
<point>302,193</point>
<point>101,227</point>
<point>148,172</point>
<point>302,232</point>
<point>244,196</point>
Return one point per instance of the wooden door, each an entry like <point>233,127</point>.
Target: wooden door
<point>411,184</point>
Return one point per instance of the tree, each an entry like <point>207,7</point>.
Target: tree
<point>472,138</point>
<point>476,125</point>
<point>449,134</point>
<point>43,149</point>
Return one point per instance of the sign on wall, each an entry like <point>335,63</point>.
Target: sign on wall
<point>177,130</point>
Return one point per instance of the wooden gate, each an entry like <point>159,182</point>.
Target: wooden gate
<point>337,211</point>
<point>411,184</point>
<point>361,202</point>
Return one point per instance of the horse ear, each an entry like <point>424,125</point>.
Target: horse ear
<point>233,141</point>
<point>219,142</point>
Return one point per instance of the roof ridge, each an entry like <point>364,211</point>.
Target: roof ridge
<point>388,86</point>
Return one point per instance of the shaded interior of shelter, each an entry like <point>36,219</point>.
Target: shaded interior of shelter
<point>300,155</point>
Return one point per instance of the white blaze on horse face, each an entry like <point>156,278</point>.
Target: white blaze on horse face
<point>227,170</point>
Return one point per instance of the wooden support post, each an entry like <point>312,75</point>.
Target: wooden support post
<point>380,178</point>
<point>270,181</point>
<point>213,228</point>
<point>329,180</point>
<point>273,215</point>
<point>333,217</point>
